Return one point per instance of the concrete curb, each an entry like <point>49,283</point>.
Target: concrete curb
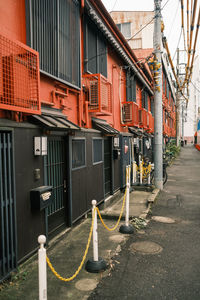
<point>150,201</point>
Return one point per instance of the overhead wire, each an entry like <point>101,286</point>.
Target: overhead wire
<point>182,23</point>
<point>194,48</point>
<point>114,5</point>
<point>147,23</point>
<point>170,30</point>
<point>177,44</point>
<point>188,24</point>
<point>198,90</point>
<point>190,44</point>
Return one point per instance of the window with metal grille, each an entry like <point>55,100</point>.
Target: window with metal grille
<point>167,88</point>
<point>97,151</point>
<point>95,49</point>
<point>164,83</point>
<point>152,107</point>
<point>125,29</point>
<point>130,87</point>
<point>78,153</point>
<point>145,99</point>
<point>53,29</point>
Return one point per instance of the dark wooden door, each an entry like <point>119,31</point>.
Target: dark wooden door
<point>8,232</point>
<point>107,166</point>
<point>55,175</point>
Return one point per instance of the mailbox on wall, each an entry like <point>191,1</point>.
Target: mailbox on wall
<point>41,197</point>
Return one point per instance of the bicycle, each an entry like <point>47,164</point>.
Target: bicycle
<point>165,175</point>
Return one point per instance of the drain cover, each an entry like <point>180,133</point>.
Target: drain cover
<point>163,219</point>
<point>86,284</point>
<point>146,247</point>
<point>117,238</point>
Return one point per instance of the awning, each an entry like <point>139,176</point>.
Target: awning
<point>136,131</point>
<point>53,119</point>
<point>104,127</point>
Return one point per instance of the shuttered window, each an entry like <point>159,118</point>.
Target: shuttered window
<point>53,29</point>
<point>95,49</point>
<point>145,99</point>
<point>130,87</point>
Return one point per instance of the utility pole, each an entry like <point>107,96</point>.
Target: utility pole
<point>177,105</point>
<point>183,115</point>
<point>158,121</point>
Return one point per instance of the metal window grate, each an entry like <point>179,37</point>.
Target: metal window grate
<point>130,114</point>
<point>8,255</point>
<point>100,93</point>
<point>54,165</point>
<point>19,77</point>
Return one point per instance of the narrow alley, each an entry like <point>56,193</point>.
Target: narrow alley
<point>172,269</point>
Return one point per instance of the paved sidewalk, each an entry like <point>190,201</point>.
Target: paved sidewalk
<point>67,251</point>
<point>162,261</point>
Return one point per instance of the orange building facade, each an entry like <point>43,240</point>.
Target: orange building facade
<point>76,107</point>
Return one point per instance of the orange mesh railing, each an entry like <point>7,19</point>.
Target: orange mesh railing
<point>99,91</point>
<point>143,118</point>
<point>130,114</point>
<point>19,77</point>
<point>150,123</point>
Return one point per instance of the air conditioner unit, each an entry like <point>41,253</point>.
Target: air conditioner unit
<point>93,93</point>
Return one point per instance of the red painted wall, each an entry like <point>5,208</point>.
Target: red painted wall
<point>12,19</point>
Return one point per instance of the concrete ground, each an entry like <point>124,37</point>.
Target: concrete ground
<point>162,261</point>
<point>67,251</point>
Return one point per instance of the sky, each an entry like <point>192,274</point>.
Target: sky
<point>171,14</point>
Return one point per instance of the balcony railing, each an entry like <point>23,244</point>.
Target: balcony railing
<point>143,118</point>
<point>130,115</point>
<point>165,129</point>
<point>19,77</point>
<point>150,123</point>
<point>99,94</point>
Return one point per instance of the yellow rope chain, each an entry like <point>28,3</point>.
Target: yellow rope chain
<point>88,243</point>
<point>82,262</point>
<point>122,209</point>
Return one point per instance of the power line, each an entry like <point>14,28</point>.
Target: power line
<point>195,87</point>
<point>147,23</point>
<point>173,21</point>
<point>177,44</point>
<point>114,5</point>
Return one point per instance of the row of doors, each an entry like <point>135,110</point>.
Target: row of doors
<point>55,173</point>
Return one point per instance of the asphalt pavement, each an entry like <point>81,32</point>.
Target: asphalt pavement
<point>158,261</point>
<point>162,261</point>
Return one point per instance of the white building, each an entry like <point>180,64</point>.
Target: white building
<point>130,23</point>
<point>192,113</point>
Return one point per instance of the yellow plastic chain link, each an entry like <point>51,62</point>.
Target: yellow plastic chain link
<point>82,262</point>
<point>122,209</point>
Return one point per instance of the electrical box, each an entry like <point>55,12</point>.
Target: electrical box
<point>41,197</point>
<point>40,145</point>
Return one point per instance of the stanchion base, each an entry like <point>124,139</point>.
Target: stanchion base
<point>95,266</point>
<point>126,229</point>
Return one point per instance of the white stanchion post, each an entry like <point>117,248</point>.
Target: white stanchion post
<point>149,176</point>
<point>127,196</point>
<point>95,234</point>
<point>97,264</point>
<point>42,268</point>
<point>127,228</point>
<point>134,172</point>
<point>141,172</point>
